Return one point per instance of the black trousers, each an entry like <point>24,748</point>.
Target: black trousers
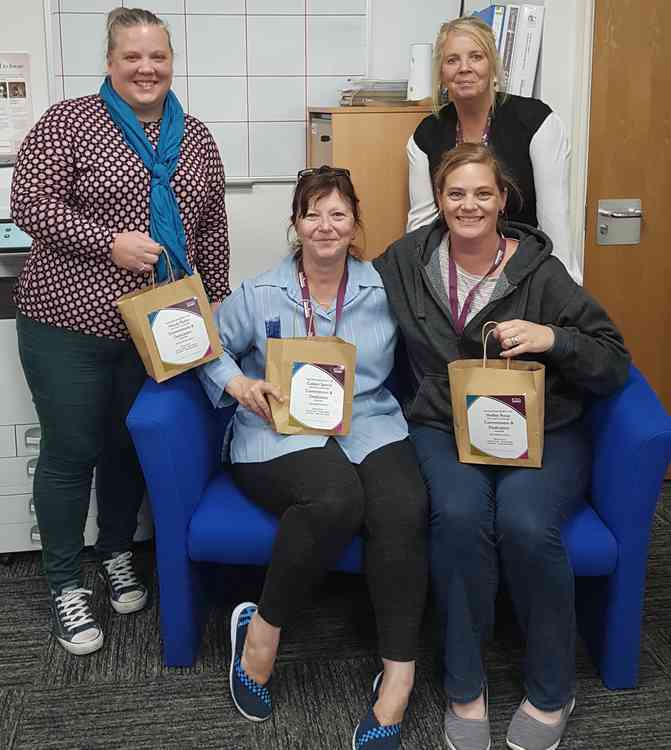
<point>322,501</point>
<point>83,387</point>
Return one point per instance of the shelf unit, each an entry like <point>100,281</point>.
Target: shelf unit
<point>370,142</point>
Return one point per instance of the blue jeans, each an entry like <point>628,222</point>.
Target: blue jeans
<point>486,519</point>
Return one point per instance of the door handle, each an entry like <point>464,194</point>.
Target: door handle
<point>631,213</point>
<point>618,221</point>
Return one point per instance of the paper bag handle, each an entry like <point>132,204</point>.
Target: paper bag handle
<point>171,273</point>
<point>484,343</point>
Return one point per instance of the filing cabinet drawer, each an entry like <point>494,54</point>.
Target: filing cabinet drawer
<point>20,537</point>
<point>7,441</point>
<point>28,439</point>
<point>16,475</point>
<point>16,509</point>
<point>19,531</point>
<point>21,509</point>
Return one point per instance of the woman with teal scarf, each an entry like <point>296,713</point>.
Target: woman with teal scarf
<point>102,184</point>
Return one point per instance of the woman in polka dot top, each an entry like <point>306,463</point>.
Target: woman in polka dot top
<point>83,194</point>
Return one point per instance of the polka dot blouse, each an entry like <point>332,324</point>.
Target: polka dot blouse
<point>76,183</point>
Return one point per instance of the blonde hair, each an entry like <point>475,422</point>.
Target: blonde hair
<point>128,18</point>
<point>482,35</point>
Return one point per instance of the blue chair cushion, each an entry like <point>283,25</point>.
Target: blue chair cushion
<point>228,528</point>
<point>591,545</point>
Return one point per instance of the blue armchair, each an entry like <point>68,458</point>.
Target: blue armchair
<point>201,517</point>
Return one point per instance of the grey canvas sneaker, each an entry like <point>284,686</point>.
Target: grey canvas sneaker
<point>467,734</point>
<point>527,733</point>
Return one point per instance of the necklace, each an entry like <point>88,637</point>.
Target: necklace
<point>484,138</point>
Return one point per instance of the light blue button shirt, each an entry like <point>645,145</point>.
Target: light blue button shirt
<point>271,304</point>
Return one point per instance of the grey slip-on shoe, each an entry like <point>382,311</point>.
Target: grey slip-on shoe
<point>467,734</point>
<point>527,733</point>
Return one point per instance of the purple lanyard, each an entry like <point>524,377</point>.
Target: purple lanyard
<point>307,301</point>
<point>460,319</point>
<point>484,139</point>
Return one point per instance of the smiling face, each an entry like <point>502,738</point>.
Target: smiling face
<point>140,69</point>
<point>466,71</point>
<point>327,229</point>
<point>471,200</point>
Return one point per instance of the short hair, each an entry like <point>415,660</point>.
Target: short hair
<point>481,33</point>
<point>128,18</point>
<point>474,153</point>
<point>319,184</point>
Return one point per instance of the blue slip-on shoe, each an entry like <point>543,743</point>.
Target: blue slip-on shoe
<point>250,698</point>
<point>370,734</point>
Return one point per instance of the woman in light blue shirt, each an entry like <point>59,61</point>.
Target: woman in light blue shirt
<point>324,489</point>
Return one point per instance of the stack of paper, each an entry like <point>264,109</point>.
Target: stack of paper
<point>371,91</point>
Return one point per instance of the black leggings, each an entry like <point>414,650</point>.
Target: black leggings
<point>322,501</point>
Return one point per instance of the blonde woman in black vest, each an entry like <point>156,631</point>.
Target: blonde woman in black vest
<point>525,134</point>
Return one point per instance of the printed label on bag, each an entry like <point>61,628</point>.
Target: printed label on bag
<point>180,332</point>
<point>497,426</point>
<point>317,396</point>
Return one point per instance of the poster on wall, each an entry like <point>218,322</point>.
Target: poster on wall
<point>16,106</point>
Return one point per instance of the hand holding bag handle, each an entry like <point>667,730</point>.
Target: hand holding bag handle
<point>484,342</point>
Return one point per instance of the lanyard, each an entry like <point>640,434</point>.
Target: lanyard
<point>460,319</point>
<point>307,301</point>
<point>484,139</point>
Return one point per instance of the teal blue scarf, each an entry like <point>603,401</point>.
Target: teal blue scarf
<point>165,223</point>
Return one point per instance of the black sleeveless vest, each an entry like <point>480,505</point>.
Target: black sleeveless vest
<point>515,121</point>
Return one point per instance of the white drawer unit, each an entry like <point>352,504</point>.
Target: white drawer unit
<point>19,448</point>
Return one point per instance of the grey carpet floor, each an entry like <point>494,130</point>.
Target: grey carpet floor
<point>123,696</point>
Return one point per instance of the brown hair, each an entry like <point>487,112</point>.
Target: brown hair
<point>475,153</point>
<point>482,35</point>
<point>319,184</point>
<point>128,18</point>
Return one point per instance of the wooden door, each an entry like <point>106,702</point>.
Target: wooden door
<point>630,157</point>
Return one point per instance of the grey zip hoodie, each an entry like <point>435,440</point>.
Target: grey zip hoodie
<point>588,357</point>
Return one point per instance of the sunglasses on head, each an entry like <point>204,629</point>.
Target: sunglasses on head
<point>325,170</point>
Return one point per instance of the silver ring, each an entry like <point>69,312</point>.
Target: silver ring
<point>515,340</point>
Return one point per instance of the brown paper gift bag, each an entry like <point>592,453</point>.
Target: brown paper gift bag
<point>498,410</point>
<point>171,325</point>
<point>316,377</point>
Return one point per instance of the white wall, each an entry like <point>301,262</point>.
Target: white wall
<point>258,216</point>
<point>396,24</point>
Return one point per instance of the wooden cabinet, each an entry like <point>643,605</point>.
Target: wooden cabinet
<point>370,142</point>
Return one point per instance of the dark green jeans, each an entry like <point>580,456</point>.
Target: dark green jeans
<point>82,387</point>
